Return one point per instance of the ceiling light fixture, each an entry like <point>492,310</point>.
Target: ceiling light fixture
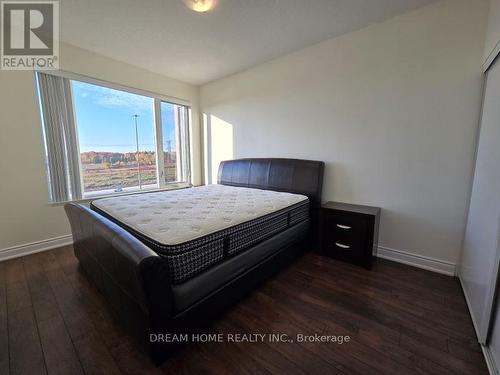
<point>200,5</point>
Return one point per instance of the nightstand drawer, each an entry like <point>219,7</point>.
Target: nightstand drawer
<point>346,249</point>
<point>346,242</point>
<point>346,227</point>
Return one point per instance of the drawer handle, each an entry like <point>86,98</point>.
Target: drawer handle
<point>343,226</point>
<point>342,245</point>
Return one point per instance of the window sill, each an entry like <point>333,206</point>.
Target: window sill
<point>97,194</point>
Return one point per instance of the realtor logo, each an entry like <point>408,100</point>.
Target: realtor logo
<point>30,35</point>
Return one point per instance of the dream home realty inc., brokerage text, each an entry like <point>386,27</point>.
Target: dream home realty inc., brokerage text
<point>246,338</point>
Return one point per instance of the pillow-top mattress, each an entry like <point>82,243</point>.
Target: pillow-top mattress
<point>198,227</point>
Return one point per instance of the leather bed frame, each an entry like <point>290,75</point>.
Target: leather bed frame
<point>135,280</point>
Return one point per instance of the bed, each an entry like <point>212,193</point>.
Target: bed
<point>172,261</point>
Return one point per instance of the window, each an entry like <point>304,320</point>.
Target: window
<point>102,140</point>
<point>173,120</point>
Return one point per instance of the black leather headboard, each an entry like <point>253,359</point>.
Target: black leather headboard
<point>289,175</point>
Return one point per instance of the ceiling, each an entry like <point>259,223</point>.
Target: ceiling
<point>166,37</point>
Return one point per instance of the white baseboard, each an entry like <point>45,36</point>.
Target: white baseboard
<point>35,247</point>
<point>420,261</point>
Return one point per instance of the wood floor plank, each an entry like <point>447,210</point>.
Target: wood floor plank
<point>360,353</point>
<point>314,303</point>
<point>24,340</point>
<point>381,339</point>
<point>388,314</point>
<point>365,337</point>
<point>18,294</point>
<point>445,359</point>
<point>206,362</point>
<point>304,356</point>
<point>59,352</point>
<point>42,297</point>
<point>122,346</point>
<point>297,358</point>
<point>470,351</point>
<point>4,332</point>
<point>93,355</point>
<point>409,296</point>
<point>401,299</point>
<point>26,356</point>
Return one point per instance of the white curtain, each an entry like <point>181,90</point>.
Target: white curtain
<point>61,145</point>
<point>181,121</point>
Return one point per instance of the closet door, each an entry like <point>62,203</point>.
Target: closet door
<point>480,258</point>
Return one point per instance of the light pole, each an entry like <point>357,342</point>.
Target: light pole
<point>137,150</point>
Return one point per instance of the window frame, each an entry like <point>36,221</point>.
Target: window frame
<point>185,167</point>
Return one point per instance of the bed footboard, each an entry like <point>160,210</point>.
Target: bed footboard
<point>133,279</point>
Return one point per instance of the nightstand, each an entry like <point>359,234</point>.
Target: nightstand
<point>349,232</point>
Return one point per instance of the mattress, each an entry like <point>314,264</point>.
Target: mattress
<point>196,228</point>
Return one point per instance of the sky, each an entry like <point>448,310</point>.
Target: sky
<point>105,122</point>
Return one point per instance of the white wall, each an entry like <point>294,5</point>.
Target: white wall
<point>26,215</point>
<point>392,109</point>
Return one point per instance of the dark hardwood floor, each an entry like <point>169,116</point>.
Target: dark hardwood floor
<point>401,320</point>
